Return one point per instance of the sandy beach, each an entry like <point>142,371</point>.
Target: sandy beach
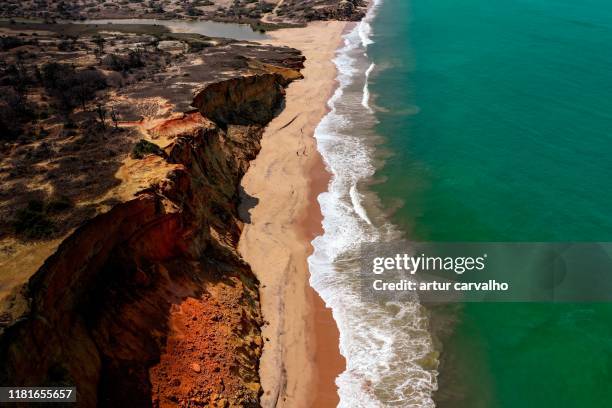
<point>301,358</point>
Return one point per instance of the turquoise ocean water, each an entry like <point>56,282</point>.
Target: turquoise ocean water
<point>498,115</point>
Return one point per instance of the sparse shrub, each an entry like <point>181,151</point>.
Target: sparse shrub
<point>67,43</point>
<point>195,46</point>
<point>86,83</point>
<point>70,87</point>
<point>266,7</point>
<point>115,80</point>
<point>53,73</point>
<point>192,11</point>
<point>15,75</point>
<point>59,204</point>
<point>124,63</point>
<point>99,41</point>
<point>144,147</point>
<point>15,110</point>
<point>33,222</point>
<point>9,42</point>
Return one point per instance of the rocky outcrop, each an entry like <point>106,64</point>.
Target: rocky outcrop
<point>345,10</point>
<point>309,10</point>
<point>149,303</point>
<point>224,102</point>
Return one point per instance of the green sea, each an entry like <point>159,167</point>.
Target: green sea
<point>496,118</point>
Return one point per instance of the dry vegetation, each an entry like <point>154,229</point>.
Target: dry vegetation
<point>121,154</point>
<point>73,99</point>
<point>61,141</point>
<point>247,11</point>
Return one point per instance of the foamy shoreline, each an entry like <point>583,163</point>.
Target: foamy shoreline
<point>301,358</point>
<point>384,343</point>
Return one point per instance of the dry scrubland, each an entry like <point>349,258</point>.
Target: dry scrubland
<point>122,151</point>
<point>248,11</point>
<point>119,192</point>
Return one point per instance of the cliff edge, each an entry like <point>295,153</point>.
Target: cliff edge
<point>147,301</point>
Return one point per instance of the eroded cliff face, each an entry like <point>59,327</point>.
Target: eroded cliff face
<point>223,102</point>
<point>149,303</point>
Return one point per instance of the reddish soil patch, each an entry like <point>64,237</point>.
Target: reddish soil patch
<point>204,351</point>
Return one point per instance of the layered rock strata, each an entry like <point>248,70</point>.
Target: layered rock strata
<point>149,303</point>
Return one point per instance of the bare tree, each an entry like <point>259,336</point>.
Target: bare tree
<point>101,111</point>
<point>99,41</point>
<point>114,117</point>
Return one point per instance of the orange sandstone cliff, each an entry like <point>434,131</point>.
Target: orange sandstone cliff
<point>149,303</point>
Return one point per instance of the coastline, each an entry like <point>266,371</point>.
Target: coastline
<point>301,357</point>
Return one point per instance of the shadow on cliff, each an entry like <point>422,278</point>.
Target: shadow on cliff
<point>102,310</point>
<point>102,328</point>
<point>130,322</point>
<point>247,203</point>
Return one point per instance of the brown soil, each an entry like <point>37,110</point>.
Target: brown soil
<point>146,302</point>
<point>194,369</point>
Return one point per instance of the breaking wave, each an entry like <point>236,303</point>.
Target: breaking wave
<point>384,343</point>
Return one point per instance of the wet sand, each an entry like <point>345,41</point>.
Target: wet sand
<point>301,358</point>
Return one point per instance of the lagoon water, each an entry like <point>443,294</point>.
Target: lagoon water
<point>496,121</point>
<point>208,28</point>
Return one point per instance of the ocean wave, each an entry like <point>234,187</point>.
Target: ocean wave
<point>383,343</point>
<point>365,100</point>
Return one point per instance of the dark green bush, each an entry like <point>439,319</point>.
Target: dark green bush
<point>32,222</point>
<point>144,147</point>
<point>70,87</point>
<point>124,63</point>
<point>9,42</point>
<point>195,46</point>
<point>58,204</point>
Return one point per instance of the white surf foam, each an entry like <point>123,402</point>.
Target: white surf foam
<point>382,343</point>
<point>356,201</point>
<point>365,100</point>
